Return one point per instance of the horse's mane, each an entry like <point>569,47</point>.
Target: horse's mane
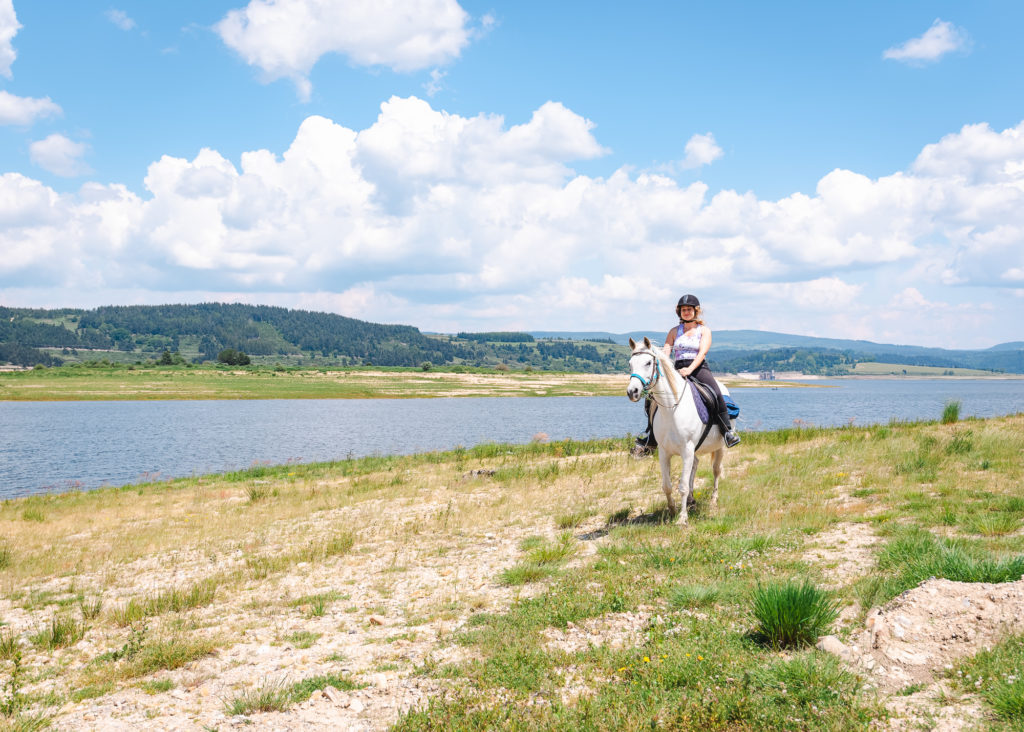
<point>675,382</point>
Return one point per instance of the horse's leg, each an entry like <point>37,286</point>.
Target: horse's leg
<point>690,499</point>
<point>686,483</point>
<point>665,460</point>
<point>716,468</point>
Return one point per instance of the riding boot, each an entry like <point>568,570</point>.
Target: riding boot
<point>731,438</point>
<point>646,441</point>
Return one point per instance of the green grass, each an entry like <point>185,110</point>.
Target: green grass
<point>303,638</point>
<point>279,696</point>
<point>543,559</point>
<point>176,599</point>
<point>62,631</point>
<point>792,614</point>
<point>997,675</point>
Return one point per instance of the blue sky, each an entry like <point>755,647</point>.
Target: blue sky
<point>849,170</point>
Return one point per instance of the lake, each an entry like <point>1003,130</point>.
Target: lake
<point>59,446</point>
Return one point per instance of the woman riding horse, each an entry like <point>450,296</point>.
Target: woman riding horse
<point>688,344</point>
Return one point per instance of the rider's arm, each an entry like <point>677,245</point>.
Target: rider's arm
<point>669,340</point>
<point>702,351</point>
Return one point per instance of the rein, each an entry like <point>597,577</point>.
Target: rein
<point>649,383</point>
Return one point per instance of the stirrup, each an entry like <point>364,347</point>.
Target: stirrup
<point>731,439</point>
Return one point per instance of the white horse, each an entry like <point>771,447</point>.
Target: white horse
<point>677,426</point>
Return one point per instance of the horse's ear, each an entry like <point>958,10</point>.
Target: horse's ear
<point>632,344</point>
<point>647,342</point>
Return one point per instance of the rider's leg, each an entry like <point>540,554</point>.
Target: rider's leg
<point>647,439</point>
<point>704,375</point>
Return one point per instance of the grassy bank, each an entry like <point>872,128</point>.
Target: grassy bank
<point>127,383</point>
<point>519,587</point>
<point>79,383</point>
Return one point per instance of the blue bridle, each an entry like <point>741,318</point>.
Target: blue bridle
<point>657,374</point>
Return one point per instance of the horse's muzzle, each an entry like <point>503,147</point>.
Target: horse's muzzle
<point>633,391</point>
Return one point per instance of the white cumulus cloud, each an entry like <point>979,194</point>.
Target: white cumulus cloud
<point>460,223</point>
<point>16,110</point>
<point>9,27</point>
<point>60,155</point>
<point>701,150</point>
<point>933,44</point>
<point>285,38</point>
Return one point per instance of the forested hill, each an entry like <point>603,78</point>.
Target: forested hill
<point>198,333</point>
<point>279,336</point>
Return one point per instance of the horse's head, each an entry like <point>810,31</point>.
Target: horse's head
<point>643,367</point>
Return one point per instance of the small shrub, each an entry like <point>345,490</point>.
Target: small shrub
<point>792,614</point>
<point>951,412</point>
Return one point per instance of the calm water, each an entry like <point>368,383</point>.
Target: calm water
<point>55,446</point>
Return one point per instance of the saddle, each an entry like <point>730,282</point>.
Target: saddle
<point>704,399</point>
<point>706,403</point>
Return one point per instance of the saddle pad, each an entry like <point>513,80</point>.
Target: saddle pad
<point>702,408</point>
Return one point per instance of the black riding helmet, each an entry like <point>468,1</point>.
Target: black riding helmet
<point>690,300</point>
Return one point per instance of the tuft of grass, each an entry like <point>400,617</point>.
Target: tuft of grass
<point>695,595</point>
<point>175,599</point>
<point>279,696</point>
<point>792,614</point>
<point>90,608</point>
<point>6,558</point>
<point>168,653</point>
<point>62,631</point>
<point>572,519</point>
<point>33,513</point>
<point>303,638</point>
<point>993,524</point>
<point>9,645</point>
<point>301,690</point>
<point>951,412</point>
<point>542,559</point>
<point>158,686</point>
<point>93,691</point>
<point>269,696</point>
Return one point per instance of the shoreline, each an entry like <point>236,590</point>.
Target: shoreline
<point>209,384</point>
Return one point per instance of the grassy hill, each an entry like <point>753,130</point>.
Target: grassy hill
<point>273,336</point>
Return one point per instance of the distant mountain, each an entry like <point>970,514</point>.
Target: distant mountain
<point>746,350</point>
